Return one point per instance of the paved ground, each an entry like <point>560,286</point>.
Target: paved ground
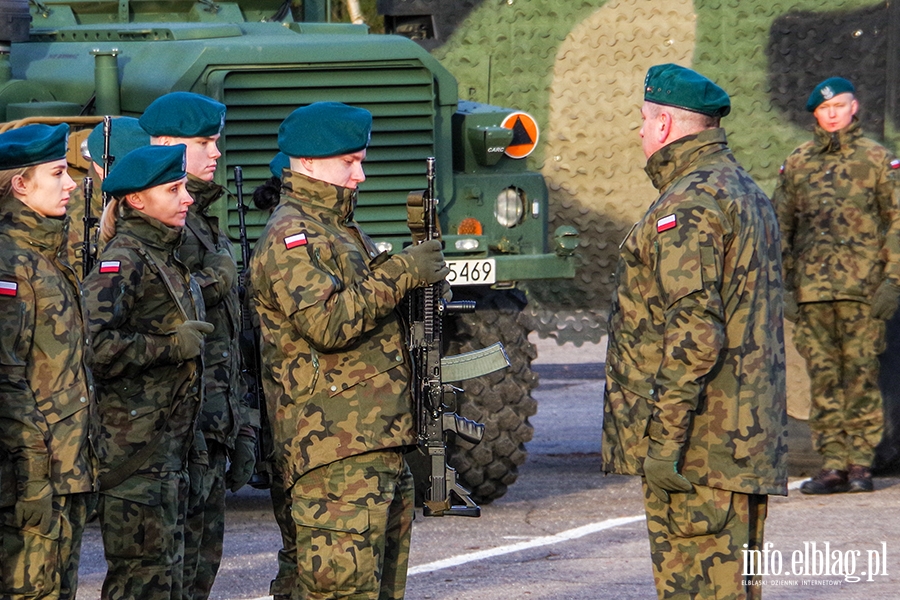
<point>565,531</point>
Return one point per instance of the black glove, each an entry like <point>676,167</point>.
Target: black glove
<point>884,300</point>
<point>661,470</point>
<point>791,308</point>
<point>188,339</point>
<point>243,460</point>
<point>37,511</point>
<point>426,262</point>
<point>197,467</point>
<point>223,266</point>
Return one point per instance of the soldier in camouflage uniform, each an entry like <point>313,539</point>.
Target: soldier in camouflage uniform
<point>144,315</point>
<point>695,394</point>
<point>46,465</point>
<point>837,204</point>
<point>225,431</point>
<point>334,361</point>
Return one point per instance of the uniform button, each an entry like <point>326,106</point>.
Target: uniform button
<point>83,399</point>
<point>334,388</point>
<point>225,354</point>
<point>134,413</point>
<point>193,390</point>
<point>399,358</point>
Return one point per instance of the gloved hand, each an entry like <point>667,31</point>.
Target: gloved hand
<point>223,266</point>
<point>426,261</point>
<point>661,470</point>
<point>37,511</point>
<point>197,467</point>
<point>243,460</point>
<point>188,339</point>
<point>791,308</point>
<point>446,292</point>
<point>884,300</point>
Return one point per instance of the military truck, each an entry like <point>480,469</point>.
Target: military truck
<point>74,60</point>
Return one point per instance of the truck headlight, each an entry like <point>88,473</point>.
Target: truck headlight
<point>510,207</point>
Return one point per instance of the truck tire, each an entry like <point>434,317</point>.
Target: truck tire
<point>501,400</point>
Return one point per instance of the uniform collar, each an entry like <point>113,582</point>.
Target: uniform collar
<point>20,222</point>
<point>826,142</point>
<point>672,160</point>
<point>325,196</point>
<point>203,192</point>
<point>147,229</point>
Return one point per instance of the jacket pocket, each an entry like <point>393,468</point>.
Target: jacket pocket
<point>703,511</point>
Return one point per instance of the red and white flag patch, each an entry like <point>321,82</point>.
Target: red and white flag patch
<point>292,241</point>
<point>8,288</point>
<point>666,223</point>
<point>110,266</point>
<point>895,164</point>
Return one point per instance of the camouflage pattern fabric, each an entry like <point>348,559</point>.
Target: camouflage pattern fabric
<point>841,344</point>
<point>354,518</point>
<point>223,413</point>
<point>697,541</point>
<point>47,402</point>
<point>282,587</point>
<point>142,524</point>
<point>839,212</point>
<point>204,529</point>
<point>696,346</point>
<point>335,371</point>
<point>143,389</point>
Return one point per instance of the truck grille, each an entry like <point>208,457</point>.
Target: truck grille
<point>400,97</point>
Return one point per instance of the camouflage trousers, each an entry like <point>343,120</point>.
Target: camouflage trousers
<point>44,566</point>
<point>285,581</point>
<point>142,524</point>
<point>204,527</point>
<point>841,344</point>
<point>354,518</point>
<point>698,540</point>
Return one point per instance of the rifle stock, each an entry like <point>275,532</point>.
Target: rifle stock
<point>250,351</point>
<point>87,251</point>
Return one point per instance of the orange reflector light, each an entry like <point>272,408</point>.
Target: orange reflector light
<point>469,226</point>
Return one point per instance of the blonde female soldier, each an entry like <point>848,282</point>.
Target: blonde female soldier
<point>144,319</point>
<point>46,470</point>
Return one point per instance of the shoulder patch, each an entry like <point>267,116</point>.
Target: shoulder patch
<point>110,266</point>
<point>292,241</point>
<point>781,170</point>
<point>666,223</point>
<point>8,288</point>
<point>895,164</point>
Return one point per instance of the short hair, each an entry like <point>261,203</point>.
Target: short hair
<point>687,119</point>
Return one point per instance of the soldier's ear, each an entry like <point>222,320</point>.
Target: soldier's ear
<point>136,201</point>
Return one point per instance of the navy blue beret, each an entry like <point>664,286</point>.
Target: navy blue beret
<point>125,135</point>
<point>185,115</point>
<point>674,85</point>
<point>33,145</point>
<point>144,168</point>
<point>325,129</point>
<point>827,90</point>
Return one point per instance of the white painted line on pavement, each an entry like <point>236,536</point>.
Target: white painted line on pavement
<point>564,536</point>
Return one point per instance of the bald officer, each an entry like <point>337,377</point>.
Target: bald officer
<point>695,388</point>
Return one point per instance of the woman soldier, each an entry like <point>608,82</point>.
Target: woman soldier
<point>46,469</point>
<point>143,314</point>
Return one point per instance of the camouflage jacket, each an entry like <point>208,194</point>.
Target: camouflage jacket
<point>695,331</point>
<point>132,315</point>
<point>223,411</point>
<point>837,205</point>
<point>45,388</point>
<point>334,362</point>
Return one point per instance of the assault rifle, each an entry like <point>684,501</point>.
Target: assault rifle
<point>91,234</point>
<point>249,341</point>
<point>434,400</point>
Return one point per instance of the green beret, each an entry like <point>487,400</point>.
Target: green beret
<point>144,168</point>
<point>33,145</point>
<point>279,163</point>
<point>674,85</point>
<point>325,129</point>
<point>184,115</point>
<point>125,135</point>
<point>827,90</point>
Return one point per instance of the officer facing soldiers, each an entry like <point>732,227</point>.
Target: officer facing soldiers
<point>46,466</point>
<point>147,338</point>
<point>334,361</point>
<point>695,392</point>
<point>125,135</point>
<point>837,205</point>
<point>196,121</point>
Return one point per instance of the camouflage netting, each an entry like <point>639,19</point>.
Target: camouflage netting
<point>578,67</point>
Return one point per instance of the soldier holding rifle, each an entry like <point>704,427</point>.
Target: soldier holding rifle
<point>335,365</point>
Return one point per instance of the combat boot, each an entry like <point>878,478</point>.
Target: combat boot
<point>828,481</point>
<point>860,479</point>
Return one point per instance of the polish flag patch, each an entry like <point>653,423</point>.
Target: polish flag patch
<point>110,266</point>
<point>895,164</point>
<point>666,223</point>
<point>292,241</point>
<point>8,288</point>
